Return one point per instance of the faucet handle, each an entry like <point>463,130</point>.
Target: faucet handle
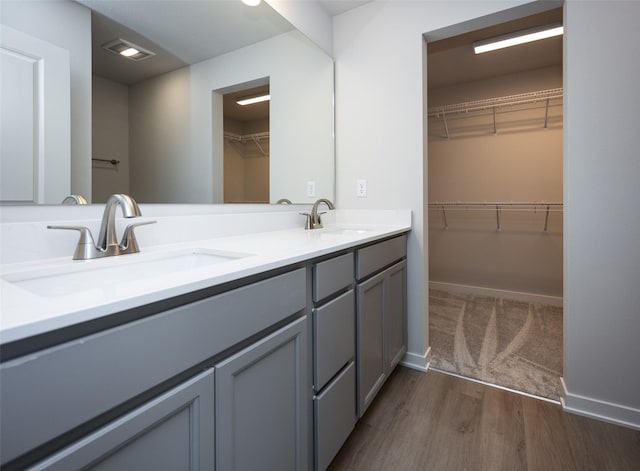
<point>86,247</point>
<point>307,224</point>
<point>129,243</point>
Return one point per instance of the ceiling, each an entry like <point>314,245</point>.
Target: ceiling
<point>179,32</point>
<point>451,61</point>
<point>336,7</point>
<point>182,32</point>
<point>256,111</point>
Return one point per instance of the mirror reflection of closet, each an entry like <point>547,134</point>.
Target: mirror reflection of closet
<point>246,145</point>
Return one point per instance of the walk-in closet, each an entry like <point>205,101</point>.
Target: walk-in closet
<point>495,204</point>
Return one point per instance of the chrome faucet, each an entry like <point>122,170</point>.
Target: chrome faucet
<point>74,199</point>
<point>314,220</point>
<point>107,240</point>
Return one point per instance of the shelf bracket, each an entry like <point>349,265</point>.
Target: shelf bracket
<point>495,129</point>
<point>546,220</point>
<point>546,114</point>
<point>497,217</point>
<point>446,127</point>
<point>444,217</point>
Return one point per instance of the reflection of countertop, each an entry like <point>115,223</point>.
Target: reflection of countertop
<point>25,313</point>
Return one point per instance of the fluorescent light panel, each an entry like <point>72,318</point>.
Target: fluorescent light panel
<point>518,37</point>
<point>252,100</point>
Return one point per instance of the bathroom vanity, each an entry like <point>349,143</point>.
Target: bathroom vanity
<point>263,361</point>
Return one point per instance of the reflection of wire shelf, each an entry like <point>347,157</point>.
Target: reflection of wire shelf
<point>523,101</point>
<point>498,207</point>
<point>244,138</point>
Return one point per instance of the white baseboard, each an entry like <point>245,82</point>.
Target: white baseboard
<point>499,293</point>
<point>417,361</point>
<point>600,410</point>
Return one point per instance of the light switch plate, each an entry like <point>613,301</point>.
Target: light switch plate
<point>361,188</point>
<point>311,188</point>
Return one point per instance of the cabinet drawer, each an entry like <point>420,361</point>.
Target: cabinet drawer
<point>332,275</point>
<point>334,337</point>
<point>335,417</point>
<point>375,257</point>
<point>50,392</point>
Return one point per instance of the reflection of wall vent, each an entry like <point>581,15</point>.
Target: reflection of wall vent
<point>128,50</point>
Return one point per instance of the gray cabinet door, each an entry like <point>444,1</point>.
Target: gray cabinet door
<point>369,341</point>
<point>395,315</point>
<point>262,404</point>
<point>381,330</point>
<point>173,432</point>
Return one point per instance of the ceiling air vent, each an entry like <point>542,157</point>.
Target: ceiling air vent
<point>128,50</point>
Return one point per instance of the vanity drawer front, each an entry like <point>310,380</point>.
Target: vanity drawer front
<point>335,416</point>
<point>375,257</point>
<point>47,393</point>
<point>332,275</point>
<point>334,337</point>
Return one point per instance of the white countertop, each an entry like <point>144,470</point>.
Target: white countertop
<point>25,313</point>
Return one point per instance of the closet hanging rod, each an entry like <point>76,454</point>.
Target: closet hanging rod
<point>110,161</point>
<point>495,203</point>
<point>498,207</point>
<point>492,103</point>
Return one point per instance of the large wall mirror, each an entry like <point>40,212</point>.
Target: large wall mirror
<point>155,127</point>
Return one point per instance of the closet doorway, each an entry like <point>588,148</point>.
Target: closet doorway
<point>246,145</point>
<point>495,204</point>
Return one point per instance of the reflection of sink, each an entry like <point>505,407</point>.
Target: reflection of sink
<point>118,271</point>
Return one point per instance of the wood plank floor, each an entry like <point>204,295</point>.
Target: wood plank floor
<point>434,421</point>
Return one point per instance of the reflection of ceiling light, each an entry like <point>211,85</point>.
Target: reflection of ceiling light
<point>518,37</point>
<point>251,3</point>
<point>253,99</point>
<point>128,50</point>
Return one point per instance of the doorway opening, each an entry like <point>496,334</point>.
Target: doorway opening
<point>246,145</point>
<point>495,203</point>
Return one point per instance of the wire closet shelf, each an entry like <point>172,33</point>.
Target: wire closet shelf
<point>244,138</point>
<point>493,104</point>
<point>498,207</point>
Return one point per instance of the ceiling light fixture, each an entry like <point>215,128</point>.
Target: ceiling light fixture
<point>127,49</point>
<point>253,99</point>
<point>251,3</point>
<point>518,37</point>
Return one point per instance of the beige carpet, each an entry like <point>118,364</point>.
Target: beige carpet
<point>510,343</point>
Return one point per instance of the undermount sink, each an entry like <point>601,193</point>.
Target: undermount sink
<point>343,231</point>
<point>110,273</point>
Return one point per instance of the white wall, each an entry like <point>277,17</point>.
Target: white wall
<point>602,219</point>
<point>379,53</point>
<point>163,168</point>
<point>68,25</point>
<point>177,158</point>
<point>380,91</point>
<point>309,18</point>
<point>110,138</point>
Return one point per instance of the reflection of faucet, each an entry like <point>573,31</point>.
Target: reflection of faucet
<point>313,219</point>
<point>107,241</point>
<point>74,199</point>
